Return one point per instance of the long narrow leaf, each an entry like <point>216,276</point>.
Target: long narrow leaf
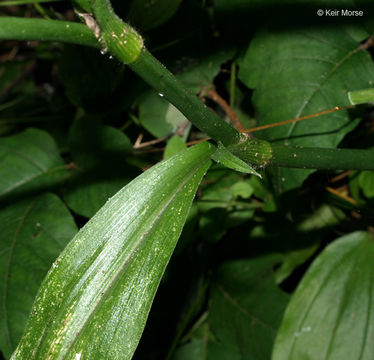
<point>96,298</point>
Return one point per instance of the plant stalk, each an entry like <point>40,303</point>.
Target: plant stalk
<point>123,42</point>
<point>26,29</point>
<point>168,86</point>
<point>321,158</point>
<point>132,52</point>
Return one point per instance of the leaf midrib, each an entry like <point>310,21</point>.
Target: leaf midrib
<point>30,179</point>
<point>130,256</point>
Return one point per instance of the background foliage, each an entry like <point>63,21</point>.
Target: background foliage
<point>70,117</point>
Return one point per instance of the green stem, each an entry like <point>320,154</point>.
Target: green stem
<point>127,45</point>
<point>167,85</point>
<point>261,154</point>
<point>119,38</point>
<point>25,29</point>
<point>323,159</point>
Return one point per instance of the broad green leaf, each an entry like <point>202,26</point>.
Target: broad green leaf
<point>32,234</point>
<point>30,162</point>
<point>246,307</point>
<point>198,73</point>
<point>366,181</point>
<point>226,158</point>
<point>158,116</point>
<point>101,166</point>
<point>300,72</point>
<point>95,299</point>
<point>88,192</point>
<point>245,310</point>
<point>330,315</point>
<point>92,143</point>
<point>146,15</point>
<point>174,146</point>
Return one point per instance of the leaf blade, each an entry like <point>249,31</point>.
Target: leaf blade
<point>296,73</point>
<point>123,240</point>
<point>32,233</point>
<point>226,158</point>
<point>30,162</point>
<point>329,315</point>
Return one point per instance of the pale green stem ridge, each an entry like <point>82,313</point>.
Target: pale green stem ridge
<point>117,37</point>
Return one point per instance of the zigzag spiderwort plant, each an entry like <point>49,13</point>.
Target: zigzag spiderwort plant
<point>95,300</point>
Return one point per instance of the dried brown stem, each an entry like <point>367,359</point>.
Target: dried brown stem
<point>139,145</point>
<point>368,43</point>
<point>342,196</point>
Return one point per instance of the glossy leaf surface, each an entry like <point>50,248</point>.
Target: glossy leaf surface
<point>32,234</point>
<point>30,161</point>
<point>330,315</point>
<point>96,298</point>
